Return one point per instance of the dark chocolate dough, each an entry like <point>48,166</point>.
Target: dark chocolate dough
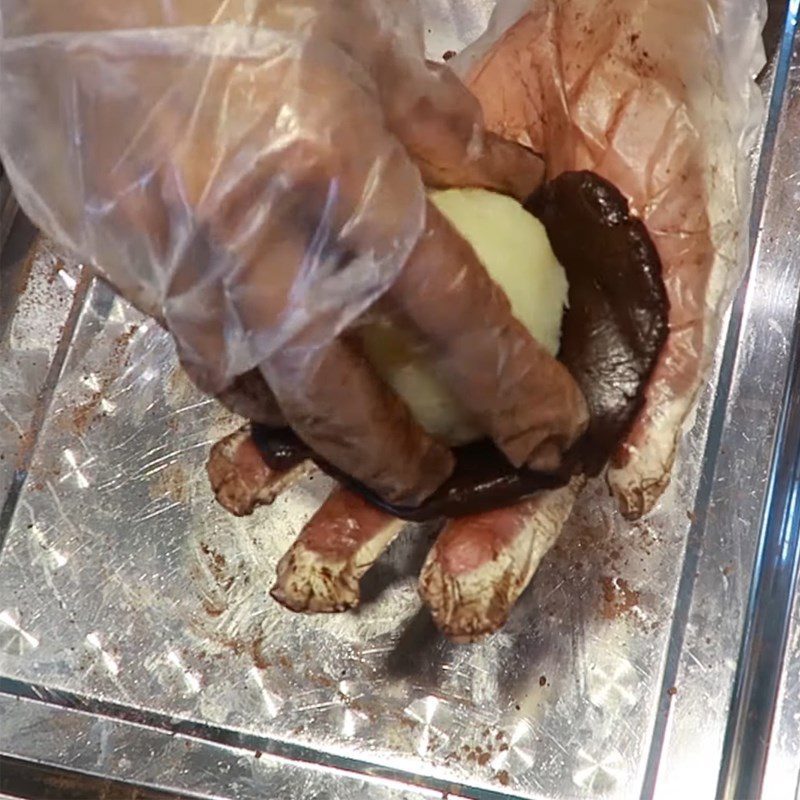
<point>481,480</point>
<point>281,448</point>
<point>617,320</point>
<point>612,335</point>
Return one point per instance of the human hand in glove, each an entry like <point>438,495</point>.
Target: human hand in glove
<point>253,175</point>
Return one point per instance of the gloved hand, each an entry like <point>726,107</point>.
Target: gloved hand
<point>252,174</point>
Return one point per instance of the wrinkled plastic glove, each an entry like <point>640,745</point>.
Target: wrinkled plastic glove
<point>252,174</point>
<point>658,97</point>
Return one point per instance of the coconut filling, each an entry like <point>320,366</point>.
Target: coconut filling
<point>514,248</point>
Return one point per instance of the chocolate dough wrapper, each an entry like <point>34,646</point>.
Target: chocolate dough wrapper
<point>616,322</point>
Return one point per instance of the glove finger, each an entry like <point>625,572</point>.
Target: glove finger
<point>440,124</point>
<point>524,398</point>
<point>340,408</point>
<point>251,398</point>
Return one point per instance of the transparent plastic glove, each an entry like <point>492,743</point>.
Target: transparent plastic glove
<point>252,174</point>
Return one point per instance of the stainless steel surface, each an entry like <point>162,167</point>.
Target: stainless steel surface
<point>775,643</point>
<point>766,630</point>
<point>157,759</point>
<point>751,421</point>
<point>126,593</point>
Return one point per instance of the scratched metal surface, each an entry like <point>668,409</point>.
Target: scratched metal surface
<point>772,645</point>
<point>195,769</point>
<point>125,592</point>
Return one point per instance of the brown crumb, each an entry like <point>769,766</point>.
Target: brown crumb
<point>618,597</point>
<point>217,565</point>
<point>172,482</point>
<point>728,569</point>
<point>543,680</point>
<point>692,517</point>
<point>258,654</point>
<point>121,345</point>
<point>672,691</point>
<point>83,414</point>
<point>217,558</point>
<point>502,776</point>
<point>26,443</point>
<point>483,759</point>
<point>211,609</point>
<point>319,679</point>
<point>234,645</point>
<point>448,54</point>
<point>258,754</point>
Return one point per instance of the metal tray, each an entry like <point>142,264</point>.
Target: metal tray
<point>137,640</point>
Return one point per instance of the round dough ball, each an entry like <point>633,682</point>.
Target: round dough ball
<point>513,246</point>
